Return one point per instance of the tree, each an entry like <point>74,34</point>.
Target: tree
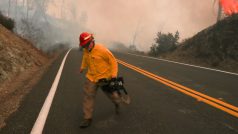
<point>9,7</point>
<point>219,13</point>
<point>164,43</point>
<point>219,10</point>
<point>153,50</point>
<point>7,22</point>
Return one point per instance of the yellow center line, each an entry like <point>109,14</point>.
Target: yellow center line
<point>226,107</point>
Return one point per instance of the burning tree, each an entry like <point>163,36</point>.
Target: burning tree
<point>229,6</point>
<point>226,7</point>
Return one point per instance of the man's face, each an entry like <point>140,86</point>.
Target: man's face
<point>89,45</point>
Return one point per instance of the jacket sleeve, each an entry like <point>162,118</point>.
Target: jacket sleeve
<point>84,64</point>
<point>113,63</point>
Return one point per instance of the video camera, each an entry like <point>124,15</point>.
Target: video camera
<point>115,85</point>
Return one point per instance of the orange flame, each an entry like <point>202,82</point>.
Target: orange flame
<point>229,6</point>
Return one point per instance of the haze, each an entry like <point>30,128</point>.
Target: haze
<point>119,20</point>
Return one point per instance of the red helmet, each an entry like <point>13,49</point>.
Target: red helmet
<point>85,38</point>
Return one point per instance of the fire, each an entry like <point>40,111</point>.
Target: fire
<point>229,6</point>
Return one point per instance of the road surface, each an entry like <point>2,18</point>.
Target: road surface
<point>167,98</point>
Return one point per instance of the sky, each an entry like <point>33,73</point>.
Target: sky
<point>119,20</point>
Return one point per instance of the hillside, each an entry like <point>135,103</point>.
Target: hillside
<point>21,65</point>
<point>216,46</point>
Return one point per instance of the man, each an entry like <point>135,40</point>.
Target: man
<point>101,65</point>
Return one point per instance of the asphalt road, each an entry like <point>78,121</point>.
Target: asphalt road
<point>155,109</point>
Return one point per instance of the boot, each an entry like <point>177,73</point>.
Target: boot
<point>126,99</point>
<point>85,123</point>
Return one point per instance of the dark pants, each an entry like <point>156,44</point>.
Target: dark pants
<point>90,91</point>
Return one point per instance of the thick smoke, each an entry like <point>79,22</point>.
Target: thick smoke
<point>35,22</point>
<point>122,20</point>
<point>119,20</point>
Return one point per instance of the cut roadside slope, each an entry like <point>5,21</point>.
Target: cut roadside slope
<point>21,66</point>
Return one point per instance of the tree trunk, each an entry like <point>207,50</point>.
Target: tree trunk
<point>16,8</point>
<point>9,6</point>
<point>219,12</point>
<point>27,9</point>
<point>62,6</point>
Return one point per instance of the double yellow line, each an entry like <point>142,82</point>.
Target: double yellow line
<point>226,107</point>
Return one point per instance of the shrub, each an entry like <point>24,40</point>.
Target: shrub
<point>7,22</point>
<point>164,43</point>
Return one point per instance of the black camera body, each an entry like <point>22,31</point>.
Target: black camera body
<point>114,84</point>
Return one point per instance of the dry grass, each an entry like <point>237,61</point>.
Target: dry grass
<point>19,61</point>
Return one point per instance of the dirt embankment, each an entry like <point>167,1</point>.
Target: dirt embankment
<point>21,66</point>
<point>216,47</point>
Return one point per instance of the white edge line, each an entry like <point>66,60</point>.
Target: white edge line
<point>40,122</point>
<point>185,64</point>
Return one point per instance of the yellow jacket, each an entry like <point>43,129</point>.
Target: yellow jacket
<point>100,63</point>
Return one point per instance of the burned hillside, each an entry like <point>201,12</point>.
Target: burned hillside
<point>216,46</point>
<point>16,55</point>
<point>21,65</point>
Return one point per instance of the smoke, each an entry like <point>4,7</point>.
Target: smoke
<point>128,21</point>
<point>35,22</point>
<point>118,20</point>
